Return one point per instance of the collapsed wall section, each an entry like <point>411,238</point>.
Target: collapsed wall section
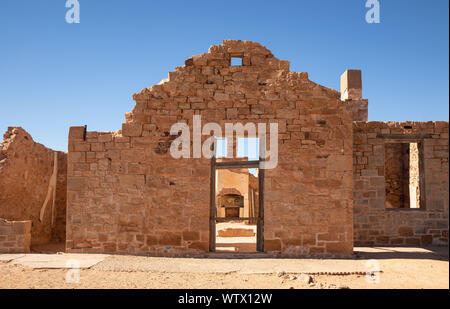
<point>386,154</point>
<point>26,168</point>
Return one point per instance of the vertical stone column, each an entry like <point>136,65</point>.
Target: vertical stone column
<point>351,92</point>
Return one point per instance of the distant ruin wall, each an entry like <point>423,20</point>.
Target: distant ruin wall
<point>380,221</point>
<point>25,171</point>
<point>15,236</point>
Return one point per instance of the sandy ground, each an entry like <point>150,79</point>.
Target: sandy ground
<point>410,268</point>
<point>235,244</point>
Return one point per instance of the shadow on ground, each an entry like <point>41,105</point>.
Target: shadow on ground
<point>440,253</point>
<point>378,253</point>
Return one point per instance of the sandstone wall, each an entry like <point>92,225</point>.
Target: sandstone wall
<point>15,236</point>
<point>127,194</point>
<point>25,171</point>
<point>374,223</point>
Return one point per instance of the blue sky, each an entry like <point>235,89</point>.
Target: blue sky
<point>54,75</point>
<point>246,147</point>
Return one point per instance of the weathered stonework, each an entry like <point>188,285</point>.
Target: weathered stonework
<point>25,171</point>
<point>351,92</point>
<point>15,236</point>
<point>127,194</point>
<point>340,180</point>
<point>376,222</point>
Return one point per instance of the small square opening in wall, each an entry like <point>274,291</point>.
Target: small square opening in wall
<point>236,61</point>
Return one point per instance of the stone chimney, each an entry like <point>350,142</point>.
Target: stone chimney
<point>351,85</point>
<point>351,92</point>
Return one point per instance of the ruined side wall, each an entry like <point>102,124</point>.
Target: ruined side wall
<point>15,236</point>
<point>127,194</point>
<point>25,171</point>
<point>376,225</point>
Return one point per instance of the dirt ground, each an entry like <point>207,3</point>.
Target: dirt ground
<point>237,243</point>
<point>422,269</point>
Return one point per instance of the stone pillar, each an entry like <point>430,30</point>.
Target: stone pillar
<point>351,92</point>
<point>351,85</point>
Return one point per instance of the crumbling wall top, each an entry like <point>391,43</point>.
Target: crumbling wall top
<point>208,76</point>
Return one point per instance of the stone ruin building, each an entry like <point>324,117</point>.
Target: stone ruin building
<point>341,180</point>
<point>33,189</point>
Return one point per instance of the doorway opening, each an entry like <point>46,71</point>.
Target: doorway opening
<point>237,200</point>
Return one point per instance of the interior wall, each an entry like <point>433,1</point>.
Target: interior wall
<point>374,224</point>
<point>25,171</point>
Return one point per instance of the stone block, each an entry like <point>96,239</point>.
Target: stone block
<point>272,245</point>
<point>405,231</point>
<point>171,239</point>
<point>190,235</point>
<point>131,129</point>
<point>76,133</point>
<point>339,247</point>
